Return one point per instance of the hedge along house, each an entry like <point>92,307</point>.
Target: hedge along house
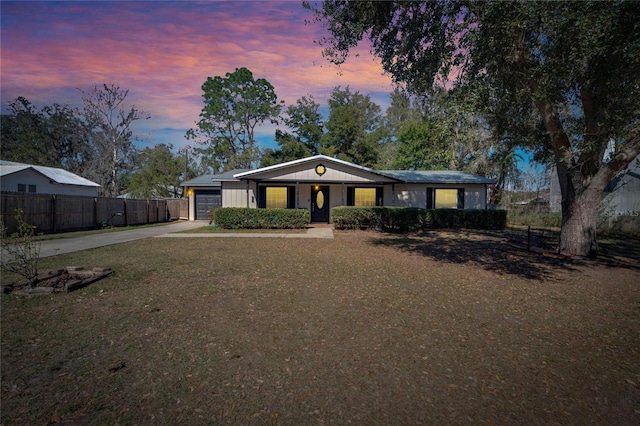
<point>319,183</point>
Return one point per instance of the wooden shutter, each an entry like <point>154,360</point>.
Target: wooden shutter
<point>379,196</point>
<point>351,195</point>
<point>291,197</point>
<point>262,197</point>
<point>461,198</point>
<point>430,198</point>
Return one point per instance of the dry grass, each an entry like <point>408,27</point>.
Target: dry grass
<point>440,328</point>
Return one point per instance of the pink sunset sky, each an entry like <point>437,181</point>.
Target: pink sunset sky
<point>162,51</point>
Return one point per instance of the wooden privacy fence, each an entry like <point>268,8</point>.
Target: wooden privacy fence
<point>178,208</point>
<point>64,213</point>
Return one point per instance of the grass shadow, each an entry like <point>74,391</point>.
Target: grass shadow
<point>487,251</point>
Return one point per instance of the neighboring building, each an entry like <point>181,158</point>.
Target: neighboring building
<point>555,195</point>
<point>621,196</point>
<point>319,183</point>
<point>27,178</point>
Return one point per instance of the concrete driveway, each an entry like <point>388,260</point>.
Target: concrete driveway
<point>86,242</point>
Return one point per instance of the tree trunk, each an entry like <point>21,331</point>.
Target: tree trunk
<point>579,214</point>
<point>581,195</point>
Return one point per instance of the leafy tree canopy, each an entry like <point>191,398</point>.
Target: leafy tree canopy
<point>233,106</point>
<point>53,135</point>
<point>158,174</point>
<point>306,124</point>
<point>352,129</point>
<point>570,68</point>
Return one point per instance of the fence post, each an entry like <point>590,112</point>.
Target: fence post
<point>126,216</point>
<point>53,214</point>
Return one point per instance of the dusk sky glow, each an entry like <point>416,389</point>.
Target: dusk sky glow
<point>162,51</point>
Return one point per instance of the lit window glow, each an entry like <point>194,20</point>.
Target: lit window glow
<point>364,197</point>
<point>276,198</point>
<point>446,198</point>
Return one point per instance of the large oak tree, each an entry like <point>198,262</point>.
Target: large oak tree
<point>570,68</point>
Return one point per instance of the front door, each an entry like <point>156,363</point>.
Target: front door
<point>320,204</point>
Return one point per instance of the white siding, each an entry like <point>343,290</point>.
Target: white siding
<point>415,195</point>
<point>475,197</point>
<point>410,195</point>
<point>335,173</point>
<point>234,194</point>
<point>304,196</point>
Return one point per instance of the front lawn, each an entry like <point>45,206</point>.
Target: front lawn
<point>447,327</point>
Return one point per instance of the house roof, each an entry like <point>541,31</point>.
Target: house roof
<point>213,180</point>
<point>315,158</point>
<point>56,175</point>
<point>406,176</point>
<point>435,176</point>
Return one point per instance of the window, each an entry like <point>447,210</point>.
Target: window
<point>22,187</point>
<point>364,196</point>
<point>32,188</point>
<point>276,197</point>
<point>445,198</point>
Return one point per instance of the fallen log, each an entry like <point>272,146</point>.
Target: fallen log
<point>73,285</point>
<point>78,284</point>
<point>39,290</point>
<point>50,274</point>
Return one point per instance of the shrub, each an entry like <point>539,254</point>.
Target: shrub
<point>23,253</point>
<point>400,219</point>
<point>250,218</point>
<point>412,219</point>
<point>354,217</point>
<point>626,223</point>
<point>536,220</point>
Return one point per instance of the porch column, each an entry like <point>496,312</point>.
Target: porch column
<point>393,194</point>
<point>247,190</point>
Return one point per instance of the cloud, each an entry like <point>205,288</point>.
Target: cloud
<point>163,52</point>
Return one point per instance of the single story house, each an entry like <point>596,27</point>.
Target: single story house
<point>27,178</point>
<point>319,183</point>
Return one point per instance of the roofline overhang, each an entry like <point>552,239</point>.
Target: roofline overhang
<point>203,185</point>
<point>247,175</point>
<point>52,181</point>
<point>322,182</point>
